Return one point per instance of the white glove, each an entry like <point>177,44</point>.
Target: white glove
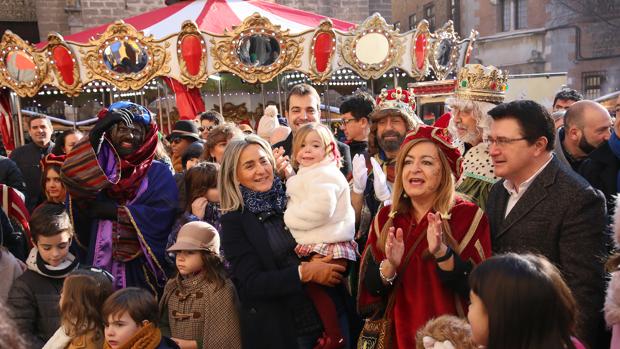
<point>382,191</point>
<point>360,174</point>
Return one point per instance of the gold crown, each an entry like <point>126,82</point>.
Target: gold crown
<point>479,83</point>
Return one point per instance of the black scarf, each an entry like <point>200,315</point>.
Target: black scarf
<point>272,200</point>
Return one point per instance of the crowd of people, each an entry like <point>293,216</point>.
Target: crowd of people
<point>489,229</point>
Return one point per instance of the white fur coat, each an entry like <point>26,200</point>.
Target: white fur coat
<point>319,207</point>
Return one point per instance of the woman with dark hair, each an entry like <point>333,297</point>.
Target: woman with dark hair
<point>66,140</point>
<point>53,187</point>
<point>521,301</point>
<point>219,137</point>
<point>420,249</point>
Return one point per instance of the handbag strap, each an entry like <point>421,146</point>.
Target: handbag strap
<point>403,266</point>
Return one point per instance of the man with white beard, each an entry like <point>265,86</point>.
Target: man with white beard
<point>479,89</point>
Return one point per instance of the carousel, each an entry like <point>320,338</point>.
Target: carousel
<point>194,55</point>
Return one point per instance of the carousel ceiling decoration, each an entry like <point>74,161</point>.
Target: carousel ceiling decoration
<point>125,57</point>
<point>373,49</point>
<point>257,50</point>
<point>21,67</point>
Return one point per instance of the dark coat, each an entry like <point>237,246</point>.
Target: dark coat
<point>33,301</point>
<point>601,170</point>
<point>28,158</point>
<point>344,150</point>
<point>561,217</point>
<point>11,175</point>
<point>263,288</point>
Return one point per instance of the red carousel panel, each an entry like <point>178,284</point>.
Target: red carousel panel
<point>191,49</point>
<point>420,51</point>
<point>65,64</point>
<point>323,48</point>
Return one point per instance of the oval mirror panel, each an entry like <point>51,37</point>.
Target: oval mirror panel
<point>64,63</point>
<point>443,53</point>
<point>323,48</point>
<point>20,66</point>
<point>372,48</point>
<point>258,50</point>
<point>125,57</point>
<point>191,49</point>
<point>420,51</point>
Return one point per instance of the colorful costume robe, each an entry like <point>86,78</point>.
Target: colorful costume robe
<point>421,295</point>
<point>132,248</point>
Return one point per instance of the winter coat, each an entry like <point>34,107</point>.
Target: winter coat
<point>195,309</point>
<point>10,270</point>
<point>319,208</point>
<point>612,298</point>
<point>60,340</point>
<point>34,296</point>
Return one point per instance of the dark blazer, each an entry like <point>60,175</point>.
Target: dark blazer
<point>561,217</point>
<point>345,153</point>
<point>601,170</point>
<point>264,290</point>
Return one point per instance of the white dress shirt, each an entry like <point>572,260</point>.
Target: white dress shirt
<point>517,193</point>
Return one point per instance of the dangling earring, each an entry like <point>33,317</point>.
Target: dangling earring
<point>404,195</point>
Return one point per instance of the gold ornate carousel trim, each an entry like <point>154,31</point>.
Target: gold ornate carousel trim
<point>372,25</point>
<point>157,63</point>
<point>325,27</point>
<point>225,50</point>
<point>190,29</point>
<point>421,29</point>
<point>13,43</point>
<point>444,33</point>
<point>56,40</point>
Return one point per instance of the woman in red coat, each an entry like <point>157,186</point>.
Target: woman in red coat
<point>421,248</point>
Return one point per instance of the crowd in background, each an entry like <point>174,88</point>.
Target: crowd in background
<point>490,228</point>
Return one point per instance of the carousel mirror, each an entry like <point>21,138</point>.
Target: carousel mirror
<point>125,57</point>
<point>444,52</point>
<point>372,48</point>
<point>21,66</point>
<point>258,50</point>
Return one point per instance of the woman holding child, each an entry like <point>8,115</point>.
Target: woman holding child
<point>420,248</point>
<point>269,277</point>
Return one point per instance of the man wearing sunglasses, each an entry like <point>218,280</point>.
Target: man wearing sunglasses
<point>185,133</point>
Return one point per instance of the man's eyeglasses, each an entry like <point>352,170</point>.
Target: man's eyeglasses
<point>176,140</point>
<point>501,141</point>
<point>347,121</point>
<point>208,128</point>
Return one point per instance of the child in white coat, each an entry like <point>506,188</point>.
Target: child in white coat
<point>319,214</point>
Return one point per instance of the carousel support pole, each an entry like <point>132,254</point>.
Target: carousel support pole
<point>279,96</point>
<point>159,111</point>
<point>329,113</point>
<point>103,97</point>
<point>142,97</point>
<point>395,78</point>
<point>167,109</point>
<point>75,113</point>
<point>219,92</point>
<point>372,87</point>
<point>262,91</point>
<point>20,122</point>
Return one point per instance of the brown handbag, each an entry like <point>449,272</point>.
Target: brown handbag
<point>377,331</point>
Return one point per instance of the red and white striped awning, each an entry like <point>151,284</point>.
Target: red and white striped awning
<point>214,16</point>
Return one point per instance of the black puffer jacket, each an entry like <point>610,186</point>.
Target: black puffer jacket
<point>33,299</point>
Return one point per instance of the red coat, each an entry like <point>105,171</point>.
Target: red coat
<point>421,295</point>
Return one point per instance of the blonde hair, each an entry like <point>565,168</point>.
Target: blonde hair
<point>401,204</point>
<point>324,133</point>
<point>228,183</point>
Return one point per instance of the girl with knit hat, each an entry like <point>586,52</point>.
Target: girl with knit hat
<point>199,306</point>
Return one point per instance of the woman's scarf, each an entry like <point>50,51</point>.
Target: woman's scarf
<point>272,200</point>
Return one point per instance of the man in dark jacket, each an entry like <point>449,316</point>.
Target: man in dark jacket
<point>541,206</point>
<point>27,157</point>
<point>11,175</point>
<point>356,123</point>
<point>304,106</point>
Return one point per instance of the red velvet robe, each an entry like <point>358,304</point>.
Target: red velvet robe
<point>421,294</point>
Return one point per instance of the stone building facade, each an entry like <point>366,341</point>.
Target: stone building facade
<point>528,37</point>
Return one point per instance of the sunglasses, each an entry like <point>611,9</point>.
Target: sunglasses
<point>208,129</point>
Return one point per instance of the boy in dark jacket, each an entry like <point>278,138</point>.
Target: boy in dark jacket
<point>33,298</point>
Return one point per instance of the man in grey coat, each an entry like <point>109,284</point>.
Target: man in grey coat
<point>541,206</point>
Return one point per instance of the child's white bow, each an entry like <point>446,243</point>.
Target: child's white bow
<point>432,343</point>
